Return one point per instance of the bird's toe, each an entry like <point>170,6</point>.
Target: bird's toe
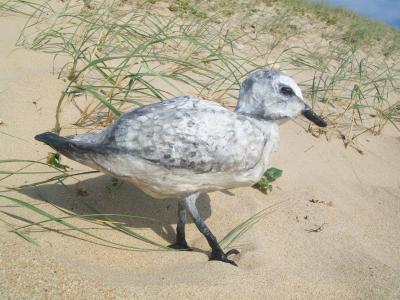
<point>232,251</point>
<point>231,262</point>
<point>221,256</point>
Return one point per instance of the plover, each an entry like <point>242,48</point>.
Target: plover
<point>184,146</point>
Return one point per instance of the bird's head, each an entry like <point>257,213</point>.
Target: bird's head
<point>272,95</point>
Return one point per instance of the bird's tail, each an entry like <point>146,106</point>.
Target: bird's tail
<point>63,145</point>
<point>53,140</point>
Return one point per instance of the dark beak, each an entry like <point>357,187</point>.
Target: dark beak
<point>313,117</point>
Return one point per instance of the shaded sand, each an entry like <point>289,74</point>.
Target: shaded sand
<point>355,198</point>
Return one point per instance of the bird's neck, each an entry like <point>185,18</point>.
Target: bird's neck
<point>258,114</point>
<point>249,108</point>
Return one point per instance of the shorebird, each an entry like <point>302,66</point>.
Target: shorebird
<point>184,146</point>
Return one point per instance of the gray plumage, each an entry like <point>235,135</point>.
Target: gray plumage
<point>184,132</point>
<point>183,146</point>
<point>178,141</point>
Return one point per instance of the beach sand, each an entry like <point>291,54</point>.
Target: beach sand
<point>332,234</point>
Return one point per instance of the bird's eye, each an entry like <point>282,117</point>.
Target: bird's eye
<point>286,91</point>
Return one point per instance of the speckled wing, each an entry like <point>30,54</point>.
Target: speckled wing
<point>188,133</point>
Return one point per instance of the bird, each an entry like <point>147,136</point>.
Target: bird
<point>185,146</point>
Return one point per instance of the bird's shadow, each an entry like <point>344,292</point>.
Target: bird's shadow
<point>105,195</point>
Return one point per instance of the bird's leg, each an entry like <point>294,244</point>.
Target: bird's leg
<point>180,228</point>
<point>216,253</point>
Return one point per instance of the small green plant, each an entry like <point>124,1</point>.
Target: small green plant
<point>264,185</point>
<point>54,159</point>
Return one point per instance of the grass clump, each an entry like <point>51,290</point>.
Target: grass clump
<point>122,58</point>
<point>354,29</point>
<point>359,92</point>
<point>187,7</point>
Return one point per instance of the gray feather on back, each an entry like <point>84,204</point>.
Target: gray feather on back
<point>184,132</point>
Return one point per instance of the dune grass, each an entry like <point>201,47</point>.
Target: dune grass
<point>347,62</point>
<point>115,58</point>
<point>355,30</point>
<point>120,58</point>
<point>123,58</point>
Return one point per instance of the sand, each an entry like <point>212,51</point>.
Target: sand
<point>353,199</point>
